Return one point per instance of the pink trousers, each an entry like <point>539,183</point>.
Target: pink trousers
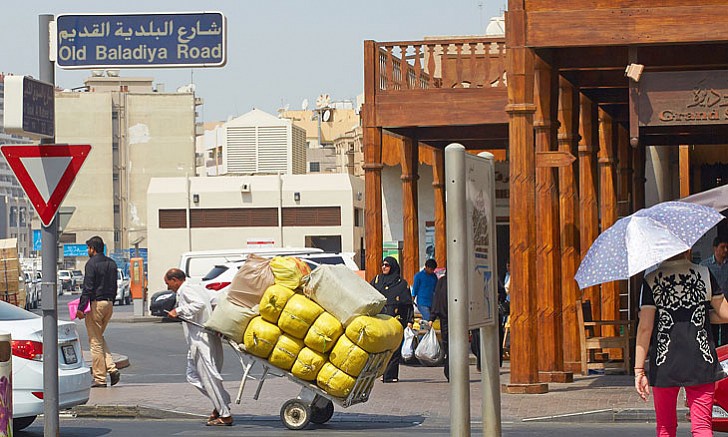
<point>700,402</point>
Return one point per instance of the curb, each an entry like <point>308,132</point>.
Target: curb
<point>121,361</point>
<point>129,412</point>
<point>136,319</point>
<point>630,415</point>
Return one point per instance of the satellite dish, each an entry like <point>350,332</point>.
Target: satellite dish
<point>304,104</point>
<point>326,116</point>
<point>323,101</point>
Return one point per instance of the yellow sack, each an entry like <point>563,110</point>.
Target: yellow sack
<point>298,315</point>
<point>375,334</point>
<point>348,357</point>
<point>307,365</point>
<point>285,352</point>
<point>436,325</point>
<point>289,271</point>
<point>324,332</point>
<point>260,337</point>
<point>334,381</point>
<point>273,301</point>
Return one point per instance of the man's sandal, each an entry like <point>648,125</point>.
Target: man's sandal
<point>221,421</point>
<point>214,415</point>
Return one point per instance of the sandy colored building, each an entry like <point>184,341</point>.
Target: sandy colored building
<point>136,133</point>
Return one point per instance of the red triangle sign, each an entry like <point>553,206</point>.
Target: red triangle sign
<point>46,173</point>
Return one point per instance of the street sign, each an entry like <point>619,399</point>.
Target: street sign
<point>46,173</point>
<point>187,39</point>
<point>75,250</point>
<point>29,107</point>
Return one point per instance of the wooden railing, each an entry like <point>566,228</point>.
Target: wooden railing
<point>447,63</point>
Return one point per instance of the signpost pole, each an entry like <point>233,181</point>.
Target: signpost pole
<point>457,284</point>
<point>49,255</point>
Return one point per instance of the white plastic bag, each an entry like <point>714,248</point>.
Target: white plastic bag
<point>408,346</point>
<point>429,351</point>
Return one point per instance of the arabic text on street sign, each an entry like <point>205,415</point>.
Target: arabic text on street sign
<point>190,39</point>
<point>29,107</point>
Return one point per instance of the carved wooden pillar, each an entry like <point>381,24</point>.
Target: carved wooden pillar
<point>624,186</point>
<point>373,200</point>
<point>520,109</point>
<point>684,164</point>
<point>569,223</point>
<point>588,207</point>
<point>410,216</point>
<point>608,208</point>
<point>438,185</point>
<point>372,139</point>
<point>548,252</point>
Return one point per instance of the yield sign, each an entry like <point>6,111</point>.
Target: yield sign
<point>46,173</point>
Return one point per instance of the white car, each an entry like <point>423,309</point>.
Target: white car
<point>74,378</point>
<point>220,277</point>
<point>123,291</point>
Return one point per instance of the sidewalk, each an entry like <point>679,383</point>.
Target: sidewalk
<point>421,395</point>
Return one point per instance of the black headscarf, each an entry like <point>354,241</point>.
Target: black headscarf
<point>397,292</point>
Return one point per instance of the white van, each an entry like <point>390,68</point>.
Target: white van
<point>197,264</point>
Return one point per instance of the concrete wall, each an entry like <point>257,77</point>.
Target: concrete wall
<point>85,118</point>
<point>166,245</point>
<point>161,143</point>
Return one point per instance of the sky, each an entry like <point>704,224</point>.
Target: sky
<point>280,52</point>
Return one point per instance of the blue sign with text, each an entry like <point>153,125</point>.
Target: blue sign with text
<point>75,250</point>
<point>187,39</point>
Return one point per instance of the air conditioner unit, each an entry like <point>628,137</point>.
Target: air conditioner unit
<point>245,187</point>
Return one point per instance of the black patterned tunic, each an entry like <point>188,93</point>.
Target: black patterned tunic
<point>682,352</point>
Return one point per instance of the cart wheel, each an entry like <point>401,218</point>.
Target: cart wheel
<point>322,414</point>
<point>295,414</point>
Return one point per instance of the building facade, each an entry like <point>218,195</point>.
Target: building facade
<point>233,212</point>
<point>136,134</point>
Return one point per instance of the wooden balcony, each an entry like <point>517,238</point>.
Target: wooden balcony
<point>435,83</point>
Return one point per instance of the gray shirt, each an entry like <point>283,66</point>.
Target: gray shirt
<point>720,271</point>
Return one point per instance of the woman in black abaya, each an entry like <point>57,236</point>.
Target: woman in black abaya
<point>399,304</point>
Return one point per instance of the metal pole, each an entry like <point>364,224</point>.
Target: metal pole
<point>489,338</point>
<point>457,284</point>
<point>280,207</point>
<point>49,255</point>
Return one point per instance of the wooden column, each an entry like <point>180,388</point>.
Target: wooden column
<point>372,138</point>
<point>410,208</point>
<point>608,208</point>
<point>438,186</point>
<point>569,224</point>
<point>625,172</point>
<point>588,207</point>
<point>520,109</point>
<point>548,252</point>
<point>684,163</point>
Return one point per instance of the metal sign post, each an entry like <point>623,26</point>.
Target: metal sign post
<point>49,255</point>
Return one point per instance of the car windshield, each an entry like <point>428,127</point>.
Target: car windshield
<point>11,312</point>
<point>214,273</point>
<point>77,273</point>
<point>64,274</point>
<point>333,260</point>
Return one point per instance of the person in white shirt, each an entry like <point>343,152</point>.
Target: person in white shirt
<point>205,356</point>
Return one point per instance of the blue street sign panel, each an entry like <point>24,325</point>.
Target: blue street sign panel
<point>75,250</point>
<point>188,39</point>
<point>37,246</point>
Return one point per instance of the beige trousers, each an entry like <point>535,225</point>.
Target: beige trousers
<point>96,321</point>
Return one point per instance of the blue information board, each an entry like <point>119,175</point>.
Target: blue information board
<point>37,246</point>
<point>75,250</point>
<point>188,39</point>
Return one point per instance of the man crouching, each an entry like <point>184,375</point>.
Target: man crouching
<point>205,356</point>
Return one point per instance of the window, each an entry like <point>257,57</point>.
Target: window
<point>314,167</point>
<point>357,217</point>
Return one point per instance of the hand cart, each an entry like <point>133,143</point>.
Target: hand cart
<point>312,405</point>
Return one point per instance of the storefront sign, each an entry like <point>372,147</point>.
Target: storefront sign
<point>683,98</point>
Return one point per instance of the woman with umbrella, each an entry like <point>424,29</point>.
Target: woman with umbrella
<point>674,326</point>
<point>674,320</point>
